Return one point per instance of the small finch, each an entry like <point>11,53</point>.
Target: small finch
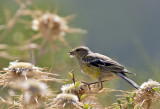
<point>99,66</point>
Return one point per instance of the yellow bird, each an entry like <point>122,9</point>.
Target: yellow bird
<point>99,66</point>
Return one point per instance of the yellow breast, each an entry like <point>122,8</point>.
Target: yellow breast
<point>91,71</point>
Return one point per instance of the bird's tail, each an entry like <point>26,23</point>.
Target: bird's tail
<point>122,75</point>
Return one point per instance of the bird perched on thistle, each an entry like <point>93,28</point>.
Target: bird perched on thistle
<point>99,66</point>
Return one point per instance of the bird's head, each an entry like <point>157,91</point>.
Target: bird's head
<point>79,52</point>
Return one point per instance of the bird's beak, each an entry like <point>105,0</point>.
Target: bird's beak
<point>71,54</point>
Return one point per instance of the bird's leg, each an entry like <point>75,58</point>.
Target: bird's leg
<point>88,84</point>
<point>97,82</point>
<point>101,84</point>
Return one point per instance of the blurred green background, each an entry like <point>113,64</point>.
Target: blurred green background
<point>127,31</point>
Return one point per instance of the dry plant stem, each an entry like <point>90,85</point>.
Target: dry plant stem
<point>12,22</point>
<point>4,46</point>
<point>40,51</point>
<point>5,55</point>
<point>73,79</point>
<point>61,39</point>
<point>148,104</point>
<point>52,49</point>
<point>45,50</point>
<point>32,56</point>
<point>33,13</point>
<point>14,104</point>
<point>70,17</point>
<point>2,27</point>
<point>37,36</point>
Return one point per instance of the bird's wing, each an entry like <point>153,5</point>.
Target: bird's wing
<point>95,61</point>
<point>104,62</point>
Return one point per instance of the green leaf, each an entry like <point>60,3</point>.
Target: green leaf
<point>139,108</point>
<point>130,106</point>
<point>130,100</point>
<point>118,101</point>
<point>134,95</point>
<point>156,89</point>
<point>91,106</point>
<point>83,96</point>
<point>86,106</point>
<point>127,98</point>
<point>117,107</point>
<point>77,84</point>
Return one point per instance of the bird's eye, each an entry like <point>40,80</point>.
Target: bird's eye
<point>78,50</point>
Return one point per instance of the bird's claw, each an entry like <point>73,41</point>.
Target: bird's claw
<point>86,83</point>
<point>99,84</point>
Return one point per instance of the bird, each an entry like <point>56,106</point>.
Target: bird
<point>99,66</point>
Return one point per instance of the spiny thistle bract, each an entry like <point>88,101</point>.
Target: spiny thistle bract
<point>85,94</point>
<point>4,53</point>
<point>66,101</point>
<point>24,70</point>
<point>52,26</point>
<point>34,93</point>
<point>80,89</point>
<point>144,98</point>
<point>77,89</point>
<point>148,94</point>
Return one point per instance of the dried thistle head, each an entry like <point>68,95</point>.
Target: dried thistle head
<point>34,92</point>
<point>52,26</point>
<point>78,89</point>
<point>84,94</point>
<point>12,104</point>
<point>81,89</point>
<point>24,70</point>
<point>148,93</point>
<point>66,101</point>
<point>21,69</point>
<point>144,98</point>
<point>149,85</point>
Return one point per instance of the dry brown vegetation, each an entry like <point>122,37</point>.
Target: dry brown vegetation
<point>29,85</point>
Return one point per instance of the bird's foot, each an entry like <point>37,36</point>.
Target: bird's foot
<point>101,85</point>
<point>86,83</point>
<point>97,82</point>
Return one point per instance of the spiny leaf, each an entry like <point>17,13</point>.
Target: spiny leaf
<point>117,107</point>
<point>156,89</point>
<point>118,101</point>
<point>134,95</point>
<point>83,96</point>
<point>91,107</point>
<point>130,106</point>
<point>86,106</point>
<point>77,84</point>
<point>130,100</point>
<point>127,98</point>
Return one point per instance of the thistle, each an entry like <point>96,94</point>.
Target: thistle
<point>24,70</point>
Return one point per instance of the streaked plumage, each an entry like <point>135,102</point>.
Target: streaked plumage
<point>99,66</point>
